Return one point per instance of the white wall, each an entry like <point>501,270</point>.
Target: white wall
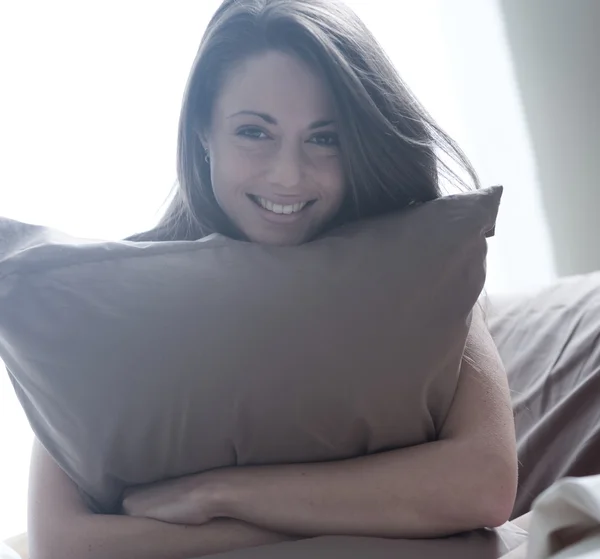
<point>556,48</point>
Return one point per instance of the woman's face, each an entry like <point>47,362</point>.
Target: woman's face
<point>274,152</point>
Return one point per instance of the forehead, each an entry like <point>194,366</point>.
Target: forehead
<point>276,83</point>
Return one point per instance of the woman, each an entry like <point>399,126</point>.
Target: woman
<point>295,121</point>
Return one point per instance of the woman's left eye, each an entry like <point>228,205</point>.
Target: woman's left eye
<point>327,139</point>
<point>252,132</point>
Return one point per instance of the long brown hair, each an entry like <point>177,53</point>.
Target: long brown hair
<point>394,154</point>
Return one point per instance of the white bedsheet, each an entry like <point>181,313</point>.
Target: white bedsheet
<point>570,504</point>
<point>7,553</point>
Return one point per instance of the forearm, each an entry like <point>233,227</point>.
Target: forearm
<point>121,537</point>
<point>430,490</point>
<point>62,527</point>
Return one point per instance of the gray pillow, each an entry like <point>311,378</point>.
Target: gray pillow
<point>137,362</point>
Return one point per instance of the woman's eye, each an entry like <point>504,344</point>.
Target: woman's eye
<point>252,133</point>
<point>327,139</point>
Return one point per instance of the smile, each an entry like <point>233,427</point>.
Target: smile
<point>280,209</point>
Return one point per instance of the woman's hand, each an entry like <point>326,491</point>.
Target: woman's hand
<point>60,524</point>
<point>186,500</point>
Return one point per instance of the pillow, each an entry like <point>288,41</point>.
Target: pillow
<point>137,362</point>
<point>549,343</point>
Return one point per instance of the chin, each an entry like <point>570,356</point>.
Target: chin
<point>284,235</point>
<point>277,238</point>
<point>274,240</point>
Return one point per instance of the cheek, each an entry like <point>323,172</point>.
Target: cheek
<point>333,179</point>
<point>230,166</point>
<point>230,173</point>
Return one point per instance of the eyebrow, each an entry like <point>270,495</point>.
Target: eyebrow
<point>271,120</point>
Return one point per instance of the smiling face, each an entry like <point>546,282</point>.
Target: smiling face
<point>274,153</point>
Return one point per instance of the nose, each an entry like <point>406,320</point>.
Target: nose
<point>286,168</point>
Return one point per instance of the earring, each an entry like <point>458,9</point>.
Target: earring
<point>207,157</point>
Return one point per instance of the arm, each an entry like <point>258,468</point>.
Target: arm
<point>463,481</point>
<point>61,527</point>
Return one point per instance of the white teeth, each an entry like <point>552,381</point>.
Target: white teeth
<point>280,208</point>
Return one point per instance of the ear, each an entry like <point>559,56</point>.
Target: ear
<point>204,140</point>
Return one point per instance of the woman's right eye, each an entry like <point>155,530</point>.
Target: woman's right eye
<point>252,133</point>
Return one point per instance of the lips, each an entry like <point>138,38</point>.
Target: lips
<point>278,208</point>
